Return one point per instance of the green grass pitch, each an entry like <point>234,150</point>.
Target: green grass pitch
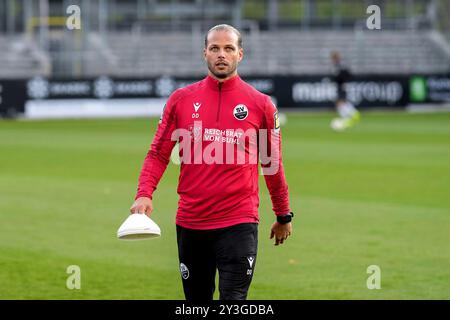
<point>377,194</point>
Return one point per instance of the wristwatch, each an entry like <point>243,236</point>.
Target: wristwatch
<point>285,218</point>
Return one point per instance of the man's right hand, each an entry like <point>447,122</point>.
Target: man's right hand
<point>142,205</point>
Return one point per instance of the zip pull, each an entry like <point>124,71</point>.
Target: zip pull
<point>220,101</point>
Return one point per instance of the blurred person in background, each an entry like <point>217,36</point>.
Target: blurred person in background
<point>348,114</point>
<point>217,218</point>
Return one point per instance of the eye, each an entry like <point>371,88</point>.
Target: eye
<point>214,49</point>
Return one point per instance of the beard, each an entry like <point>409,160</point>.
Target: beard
<point>222,74</point>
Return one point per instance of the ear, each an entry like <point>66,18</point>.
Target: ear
<point>204,54</point>
<point>241,54</point>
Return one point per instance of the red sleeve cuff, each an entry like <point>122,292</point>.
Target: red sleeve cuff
<point>140,195</point>
<point>282,214</point>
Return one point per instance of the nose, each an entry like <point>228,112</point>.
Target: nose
<point>221,53</point>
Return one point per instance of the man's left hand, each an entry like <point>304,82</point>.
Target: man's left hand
<point>281,232</point>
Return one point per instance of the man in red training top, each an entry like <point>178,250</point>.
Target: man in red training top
<point>223,126</point>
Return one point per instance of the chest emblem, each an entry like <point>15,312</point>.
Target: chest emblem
<point>197,106</point>
<point>240,112</point>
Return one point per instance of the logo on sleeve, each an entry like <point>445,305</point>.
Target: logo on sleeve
<point>276,120</point>
<point>240,112</point>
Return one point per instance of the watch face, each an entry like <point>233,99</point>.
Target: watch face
<point>284,219</point>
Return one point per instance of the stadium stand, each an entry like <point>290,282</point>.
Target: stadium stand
<point>152,38</point>
<point>282,52</point>
<point>21,57</point>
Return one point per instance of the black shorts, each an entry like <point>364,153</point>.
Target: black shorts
<point>231,250</point>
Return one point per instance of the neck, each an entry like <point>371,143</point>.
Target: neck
<point>222,79</point>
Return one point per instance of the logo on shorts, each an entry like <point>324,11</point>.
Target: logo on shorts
<point>250,261</point>
<point>184,271</point>
<point>240,112</point>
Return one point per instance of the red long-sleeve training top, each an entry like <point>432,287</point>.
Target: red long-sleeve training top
<point>224,130</point>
